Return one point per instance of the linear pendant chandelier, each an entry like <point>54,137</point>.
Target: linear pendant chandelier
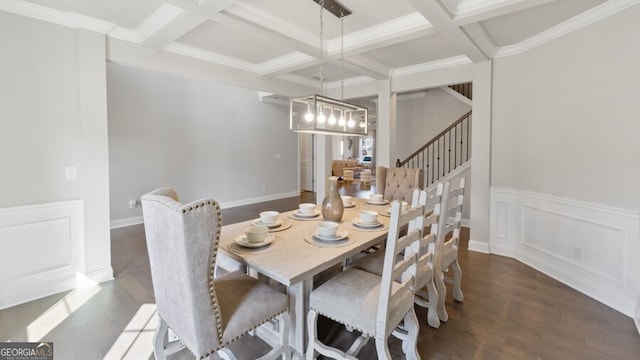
<point>319,114</point>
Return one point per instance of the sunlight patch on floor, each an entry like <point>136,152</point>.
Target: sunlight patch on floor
<point>56,314</point>
<point>136,340</point>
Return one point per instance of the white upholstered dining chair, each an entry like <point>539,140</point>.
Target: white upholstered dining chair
<point>426,293</point>
<point>371,304</point>
<point>206,313</point>
<point>398,183</point>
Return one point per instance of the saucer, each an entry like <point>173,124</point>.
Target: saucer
<point>340,235</point>
<point>242,241</point>
<point>270,226</point>
<point>349,205</point>
<point>383,202</point>
<point>298,214</point>
<point>357,223</point>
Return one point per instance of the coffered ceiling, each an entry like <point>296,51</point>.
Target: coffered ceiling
<point>281,38</point>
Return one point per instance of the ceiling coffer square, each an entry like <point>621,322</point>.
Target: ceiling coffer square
<point>335,8</point>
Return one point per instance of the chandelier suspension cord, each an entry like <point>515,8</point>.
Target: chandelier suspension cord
<point>341,55</point>
<point>321,44</point>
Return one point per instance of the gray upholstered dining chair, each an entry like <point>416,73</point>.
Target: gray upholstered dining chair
<point>371,304</point>
<point>206,313</point>
<point>426,293</point>
<point>398,183</point>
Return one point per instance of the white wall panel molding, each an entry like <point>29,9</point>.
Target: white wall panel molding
<point>594,249</point>
<point>43,250</point>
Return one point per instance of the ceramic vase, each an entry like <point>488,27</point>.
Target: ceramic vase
<point>332,207</point>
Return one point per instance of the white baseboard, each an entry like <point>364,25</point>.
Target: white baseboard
<point>232,204</point>
<point>592,248</point>
<point>126,222</point>
<point>637,318</point>
<point>224,205</point>
<point>478,246</point>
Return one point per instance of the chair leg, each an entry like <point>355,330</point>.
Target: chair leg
<point>438,279</point>
<point>432,309</point>
<point>284,350</point>
<point>312,318</point>
<point>457,281</point>
<point>382,348</point>
<point>226,354</point>
<point>162,346</point>
<point>158,340</point>
<point>411,347</point>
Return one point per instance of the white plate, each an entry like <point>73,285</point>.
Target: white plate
<point>242,241</point>
<point>357,223</point>
<point>349,205</point>
<point>270,226</point>
<point>306,216</point>
<point>340,235</point>
<point>383,202</point>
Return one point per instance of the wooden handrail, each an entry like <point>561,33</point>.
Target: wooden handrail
<point>432,141</point>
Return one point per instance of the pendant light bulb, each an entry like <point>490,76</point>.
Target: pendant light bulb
<point>309,115</point>
<point>332,118</point>
<point>351,123</point>
<point>342,121</point>
<point>321,117</point>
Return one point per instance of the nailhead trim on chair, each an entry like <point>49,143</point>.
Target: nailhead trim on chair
<point>211,275</point>
<point>350,325</point>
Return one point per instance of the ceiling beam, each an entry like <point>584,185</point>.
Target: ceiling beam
<point>439,16</point>
<point>174,30</point>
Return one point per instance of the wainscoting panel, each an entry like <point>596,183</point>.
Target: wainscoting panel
<point>42,250</point>
<point>594,249</point>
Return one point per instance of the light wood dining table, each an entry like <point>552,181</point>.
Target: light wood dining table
<point>294,256</point>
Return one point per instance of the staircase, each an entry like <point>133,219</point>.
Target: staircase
<point>445,153</point>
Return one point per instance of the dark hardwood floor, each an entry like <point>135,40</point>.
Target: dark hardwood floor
<point>510,311</point>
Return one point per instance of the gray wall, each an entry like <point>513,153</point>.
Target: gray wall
<point>421,118</point>
<point>205,139</point>
<point>53,116</point>
<point>565,115</point>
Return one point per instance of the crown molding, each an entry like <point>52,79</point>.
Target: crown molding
<point>63,18</point>
<point>430,66</point>
<point>588,17</point>
<point>163,16</point>
<point>253,15</point>
<point>285,62</point>
<point>412,25</point>
<point>209,56</point>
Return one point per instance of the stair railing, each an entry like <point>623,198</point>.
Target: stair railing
<point>444,153</point>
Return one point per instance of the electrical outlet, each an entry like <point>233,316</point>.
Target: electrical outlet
<point>133,204</point>
<point>264,186</point>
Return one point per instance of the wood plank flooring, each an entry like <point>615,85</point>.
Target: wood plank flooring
<point>510,311</point>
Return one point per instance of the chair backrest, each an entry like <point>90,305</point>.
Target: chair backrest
<point>398,183</point>
<point>432,216</point>
<point>182,242</point>
<point>400,268</point>
<point>448,228</point>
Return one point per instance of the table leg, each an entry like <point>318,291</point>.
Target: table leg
<point>298,309</point>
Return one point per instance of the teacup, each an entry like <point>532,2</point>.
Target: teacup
<point>269,217</point>
<point>307,208</point>
<point>375,198</point>
<point>255,233</point>
<point>327,228</point>
<point>346,200</point>
<point>368,216</point>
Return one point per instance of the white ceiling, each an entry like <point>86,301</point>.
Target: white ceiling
<point>281,38</point>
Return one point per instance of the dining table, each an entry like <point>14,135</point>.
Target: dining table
<point>294,254</point>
